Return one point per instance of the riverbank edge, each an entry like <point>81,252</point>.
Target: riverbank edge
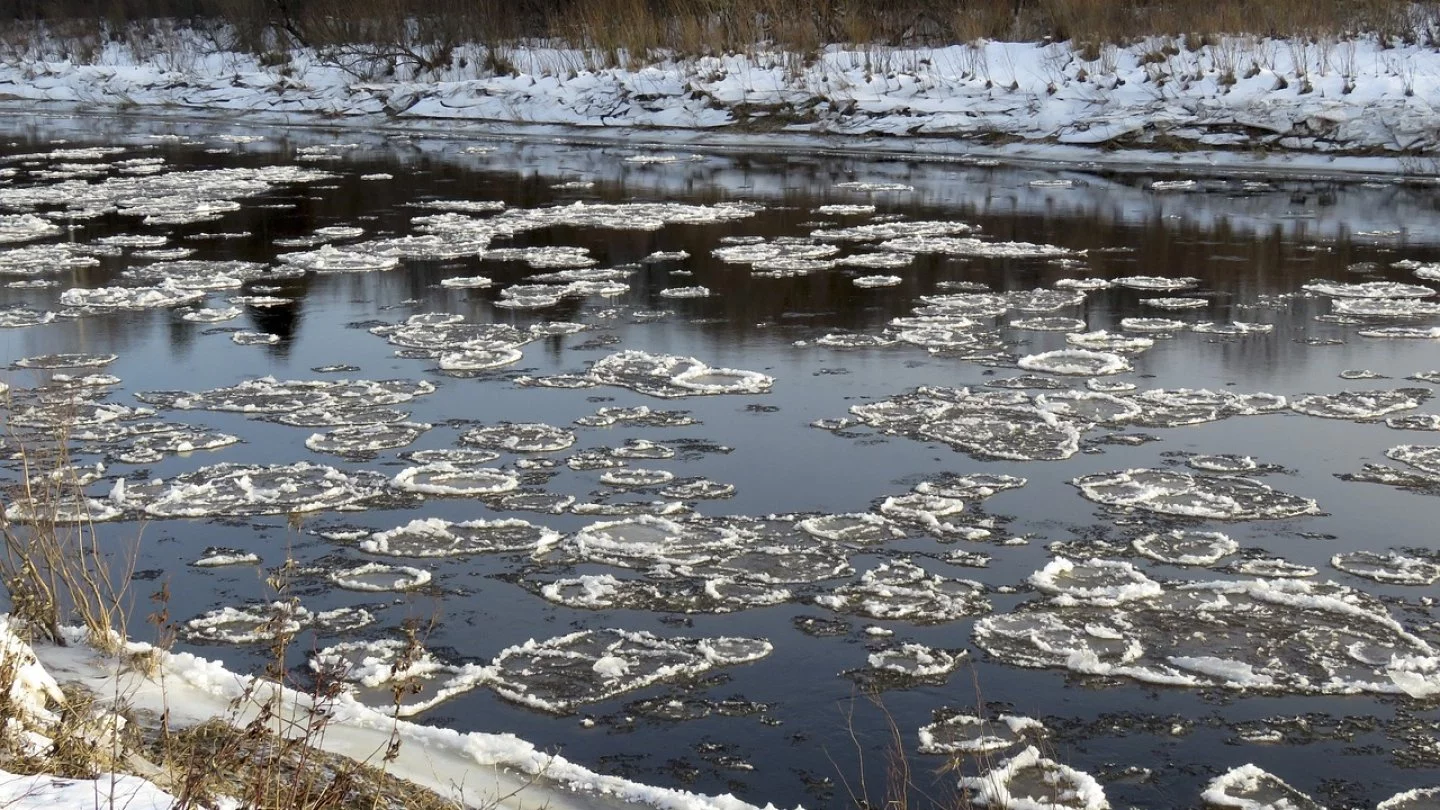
<point>1133,161</point>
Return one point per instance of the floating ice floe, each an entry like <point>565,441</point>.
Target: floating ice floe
<point>519,437</point>
<point>1390,568</point>
<point>1029,382</point>
<point>999,424</point>
<point>37,260</point>
<point>1221,497</point>
<point>712,594</point>
<point>670,376</point>
<point>1155,325</point>
<point>877,261</point>
<point>634,478</point>
<point>1184,547</point>
<point>1416,799</point>
<point>642,448</point>
<point>1402,333</point>
<point>375,672</point>
<point>1369,289</point>
<point>429,336</point>
<point>257,622</point>
<point>215,557</point>
<point>876,231</point>
<point>1175,303</point>
<point>872,282</point>
<point>1414,421</point>
<point>67,360</point>
<point>915,662</point>
<point>967,734</point>
<point>1271,635</point>
<point>59,508</point>
<point>25,228</point>
<point>237,489</point>
<point>1077,362</point>
<point>348,259</point>
<point>685,292</point>
<point>432,537</point>
<point>380,577</point>
<point>903,590</point>
<point>590,666</point>
<point>1048,324</point>
<point>467,282</point>
<point>1222,463</point>
<point>1103,341</point>
<point>1087,284</point>
<point>1248,787</point>
<point>1272,568</point>
<point>1157,283</point>
<point>1232,329</point>
<point>873,187</point>
<point>1043,300</point>
<point>446,478</point>
<point>1385,307</point>
<point>975,248</point>
<point>694,489</point>
<point>19,317</point>
<point>1029,780</point>
<point>247,338</point>
<point>861,528</point>
<point>267,395</point>
<point>212,315</point>
<point>1095,582</point>
<point>148,443</point>
<point>1361,404</point>
<point>480,358</point>
<point>104,299</point>
<point>1174,407</point>
<point>366,440</point>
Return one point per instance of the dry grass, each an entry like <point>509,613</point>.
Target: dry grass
<point>54,567</point>
<point>637,27</point>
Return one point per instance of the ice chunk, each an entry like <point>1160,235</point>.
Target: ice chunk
<point>1248,787</point>
<point>1182,547</point>
<point>1172,493</point>
<point>1029,780</point>
<point>1368,289</point>
<point>1391,568</point>
<point>903,590</point>
<point>967,734</point>
<point>561,673</point>
<point>446,478</point>
<point>432,537</point>
<point>1096,582</point>
<point>1361,404</point>
<point>380,577</point>
<point>237,489</point>
<point>519,437</point>
<point>669,376</point>
<point>1078,362</point>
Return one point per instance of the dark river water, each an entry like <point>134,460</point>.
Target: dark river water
<point>797,725</point>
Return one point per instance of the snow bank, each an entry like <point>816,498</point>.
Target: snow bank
<point>1354,95</point>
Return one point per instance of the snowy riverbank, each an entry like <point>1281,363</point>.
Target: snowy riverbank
<point>1344,106</point>
<point>471,769</point>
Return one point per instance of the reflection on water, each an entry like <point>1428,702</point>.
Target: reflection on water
<point>853,472</point>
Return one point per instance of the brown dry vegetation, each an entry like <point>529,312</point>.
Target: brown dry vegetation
<point>720,26</point>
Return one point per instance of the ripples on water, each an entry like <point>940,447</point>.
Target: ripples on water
<point>680,458</point>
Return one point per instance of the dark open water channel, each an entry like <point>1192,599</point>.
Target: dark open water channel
<point>1251,250</point>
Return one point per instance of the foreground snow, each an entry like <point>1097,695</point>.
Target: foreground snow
<point>474,769</point>
<point>1352,96</point>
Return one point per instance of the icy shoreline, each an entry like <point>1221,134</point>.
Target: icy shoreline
<point>475,769</point>
<point>1241,105</point>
